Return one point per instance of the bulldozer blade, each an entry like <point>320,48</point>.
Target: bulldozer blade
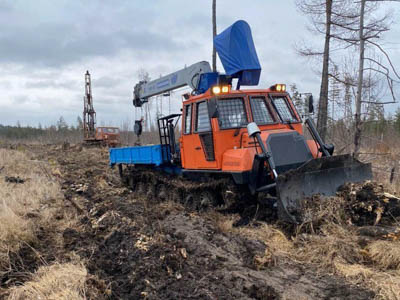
<point>321,176</point>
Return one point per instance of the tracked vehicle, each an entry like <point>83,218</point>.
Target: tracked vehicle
<point>236,144</point>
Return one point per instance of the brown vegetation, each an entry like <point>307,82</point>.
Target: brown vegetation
<point>79,234</point>
<point>55,282</point>
<point>31,218</point>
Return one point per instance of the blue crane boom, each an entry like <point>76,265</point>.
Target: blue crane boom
<point>188,76</point>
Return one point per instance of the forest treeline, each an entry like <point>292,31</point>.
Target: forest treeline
<point>59,132</point>
<point>376,125</point>
<point>63,132</point>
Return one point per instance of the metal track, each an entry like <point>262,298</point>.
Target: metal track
<point>220,193</point>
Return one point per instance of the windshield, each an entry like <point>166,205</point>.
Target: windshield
<point>231,113</point>
<point>284,111</point>
<point>110,130</point>
<point>261,113</point>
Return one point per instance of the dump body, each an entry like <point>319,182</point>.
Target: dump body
<point>151,155</point>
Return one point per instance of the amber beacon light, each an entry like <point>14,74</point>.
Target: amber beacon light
<point>279,87</point>
<point>218,89</point>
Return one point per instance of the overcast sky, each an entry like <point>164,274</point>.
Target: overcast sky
<point>46,46</point>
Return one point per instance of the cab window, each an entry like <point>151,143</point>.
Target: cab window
<point>110,130</point>
<point>188,119</point>
<point>231,113</point>
<point>285,112</point>
<point>202,117</point>
<point>260,111</point>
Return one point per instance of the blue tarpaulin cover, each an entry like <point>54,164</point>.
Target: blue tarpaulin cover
<point>238,55</point>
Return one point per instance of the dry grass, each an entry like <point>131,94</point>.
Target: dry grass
<point>224,223</point>
<point>332,246</point>
<point>385,254</point>
<point>386,285</point>
<point>333,243</point>
<point>14,232</point>
<point>357,272</point>
<point>277,244</point>
<point>336,249</point>
<point>274,239</point>
<point>25,207</point>
<point>55,282</point>
<point>19,201</point>
<point>384,157</point>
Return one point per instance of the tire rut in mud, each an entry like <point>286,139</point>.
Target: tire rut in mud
<point>146,248</point>
<point>219,194</point>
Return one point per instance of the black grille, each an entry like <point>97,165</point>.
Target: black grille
<point>188,118</point>
<point>283,109</point>
<point>208,145</point>
<point>289,150</point>
<point>231,113</point>
<point>203,119</point>
<point>261,114</point>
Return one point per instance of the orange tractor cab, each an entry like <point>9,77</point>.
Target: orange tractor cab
<point>110,136</point>
<point>253,136</point>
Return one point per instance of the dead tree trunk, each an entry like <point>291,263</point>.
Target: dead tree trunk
<point>323,96</point>
<point>214,25</point>
<point>357,125</point>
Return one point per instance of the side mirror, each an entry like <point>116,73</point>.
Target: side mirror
<point>212,108</point>
<point>310,104</point>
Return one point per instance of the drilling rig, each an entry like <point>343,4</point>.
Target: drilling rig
<point>104,135</point>
<point>89,114</point>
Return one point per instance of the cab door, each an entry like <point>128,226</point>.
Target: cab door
<point>198,145</point>
<point>204,139</point>
<point>98,135</point>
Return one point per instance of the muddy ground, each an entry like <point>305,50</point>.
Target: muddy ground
<point>135,248</point>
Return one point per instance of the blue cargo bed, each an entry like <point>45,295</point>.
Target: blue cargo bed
<point>150,155</point>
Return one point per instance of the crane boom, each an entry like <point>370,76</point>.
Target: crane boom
<point>189,76</point>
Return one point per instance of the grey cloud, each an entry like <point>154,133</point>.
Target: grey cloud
<point>48,83</point>
<point>106,82</point>
<point>20,99</point>
<point>5,84</point>
<point>5,7</point>
<point>46,46</point>
<point>45,34</point>
<point>59,44</point>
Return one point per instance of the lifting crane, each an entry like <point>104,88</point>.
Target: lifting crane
<point>251,137</point>
<point>188,76</point>
<point>104,135</point>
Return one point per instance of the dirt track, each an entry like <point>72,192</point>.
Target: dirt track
<point>136,248</point>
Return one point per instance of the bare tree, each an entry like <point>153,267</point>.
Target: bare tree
<point>357,135</point>
<point>348,110</point>
<point>323,94</point>
<point>353,24</point>
<point>322,16</point>
<point>214,27</point>
<point>334,91</point>
<point>364,33</point>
